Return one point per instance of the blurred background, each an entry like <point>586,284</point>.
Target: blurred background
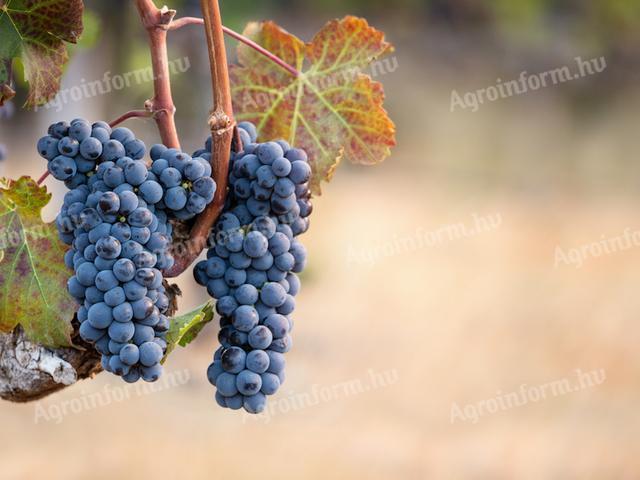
<point>469,310</point>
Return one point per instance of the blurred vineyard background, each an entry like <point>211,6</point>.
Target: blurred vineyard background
<point>452,323</point>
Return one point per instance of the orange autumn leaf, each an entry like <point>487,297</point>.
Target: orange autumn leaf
<point>332,109</point>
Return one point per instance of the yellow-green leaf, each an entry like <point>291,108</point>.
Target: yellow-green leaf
<point>33,276</point>
<point>185,329</point>
<point>36,32</point>
<point>332,109</point>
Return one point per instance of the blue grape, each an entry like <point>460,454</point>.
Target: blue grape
<point>226,384</point>
<point>196,203</point>
<point>106,280</point>
<point>151,191</point>
<point>135,173</point>
<point>240,260</point>
<point>62,168</point>
<point>122,135</point>
<point>250,129</point>
<point>151,374</point>
<point>226,305</point>
<point>260,337</point>
<point>257,361</point>
<point>143,334</point>
<point>134,291</point>
<point>169,177</point>
<point>245,318</point>
<point>89,333</point>
<point>99,316</point>
<point>205,187</point>
<point>157,151</point>
<point>193,170</point>
<point>68,146</point>
<point>76,289</point>
<point>48,147</point>
<point>248,383</point>
<point>268,152</point>
<point>255,244</point>
<point>129,355</point>
<point>175,198</point>
<point>233,360</point>
<point>213,372</point>
<point>86,274</point>
<point>123,313</point>
<point>108,248</point>
<point>270,383</point>
<point>59,129</point>
<point>246,294</point>
<point>121,332</point>
<point>101,134</point>
<point>112,150</point>
<point>135,149</point>
<point>281,167</point>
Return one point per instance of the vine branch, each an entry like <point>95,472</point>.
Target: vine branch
<point>222,126</point>
<point>161,106</point>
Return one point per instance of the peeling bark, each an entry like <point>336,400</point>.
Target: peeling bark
<point>29,371</point>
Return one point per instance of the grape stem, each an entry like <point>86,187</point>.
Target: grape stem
<point>222,126</point>
<point>181,22</point>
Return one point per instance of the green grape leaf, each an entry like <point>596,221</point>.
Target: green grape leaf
<point>332,109</point>
<point>33,276</point>
<point>36,31</point>
<point>185,329</point>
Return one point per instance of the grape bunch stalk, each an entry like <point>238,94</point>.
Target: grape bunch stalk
<point>252,268</point>
<point>116,219</point>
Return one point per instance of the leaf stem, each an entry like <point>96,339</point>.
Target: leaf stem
<point>43,177</point>
<point>182,22</point>
<point>130,114</point>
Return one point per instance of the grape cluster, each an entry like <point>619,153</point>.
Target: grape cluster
<point>252,269</point>
<point>116,220</point>
<point>187,181</point>
<point>74,150</point>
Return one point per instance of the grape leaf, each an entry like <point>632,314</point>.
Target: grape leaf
<point>332,109</point>
<point>33,276</point>
<point>185,329</point>
<point>36,31</point>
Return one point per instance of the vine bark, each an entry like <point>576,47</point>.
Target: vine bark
<point>30,371</point>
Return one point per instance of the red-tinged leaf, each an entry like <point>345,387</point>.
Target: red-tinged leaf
<point>36,31</point>
<point>332,109</point>
<point>33,276</point>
